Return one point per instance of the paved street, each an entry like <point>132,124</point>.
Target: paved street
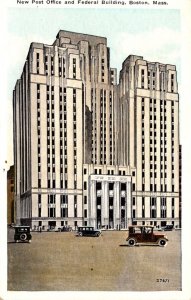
<point>57,261</point>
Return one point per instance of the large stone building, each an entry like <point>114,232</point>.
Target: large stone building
<point>89,150</point>
<point>10,196</point>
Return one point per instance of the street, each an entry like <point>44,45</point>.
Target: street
<point>61,261</point>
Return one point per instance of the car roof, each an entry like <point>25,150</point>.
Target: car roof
<point>85,226</point>
<point>21,226</point>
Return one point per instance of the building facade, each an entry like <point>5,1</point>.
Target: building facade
<point>148,96</point>
<point>89,150</point>
<point>10,196</point>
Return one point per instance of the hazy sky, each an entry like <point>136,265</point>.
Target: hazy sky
<point>153,34</point>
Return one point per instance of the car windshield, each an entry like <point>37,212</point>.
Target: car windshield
<point>85,228</point>
<point>145,230</point>
<point>22,229</point>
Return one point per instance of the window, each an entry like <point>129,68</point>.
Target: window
<point>98,186</point>
<point>85,185</point>
<point>99,201</point>
<point>64,199</point>
<point>111,186</point>
<point>163,207</point>
<point>64,212</point>
<point>39,212</point>
<point>122,201</point>
<point>153,213</point>
<point>74,68</point>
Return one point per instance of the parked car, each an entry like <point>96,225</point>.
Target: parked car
<point>51,228</point>
<point>88,231</point>
<point>166,228</point>
<point>65,228</point>
<point>145,234</point>
<point>22,233</point>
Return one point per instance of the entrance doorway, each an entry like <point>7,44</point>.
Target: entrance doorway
<point>52,224</point>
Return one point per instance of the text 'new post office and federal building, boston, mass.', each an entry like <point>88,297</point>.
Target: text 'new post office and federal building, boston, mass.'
<point>58,3</point>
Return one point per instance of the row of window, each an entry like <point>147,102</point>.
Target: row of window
<point>153,213</point>
<point>102,69</point>
<point>103,125</point>
<point>49,65</point>
<point>38,132</point>
<point>156,188</point>
<point>152,80</point>
<point>74,132</point>
<point>64,198</point>
<point>163,154</point>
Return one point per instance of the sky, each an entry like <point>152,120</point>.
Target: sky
<point>153,34</point>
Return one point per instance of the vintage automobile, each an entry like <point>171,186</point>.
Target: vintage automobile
<point>64,228</point>
<point>166,228</point>
<point>88,231</point>
<point>145,235</point>
<point>51,228</point>
<point>22,233</point>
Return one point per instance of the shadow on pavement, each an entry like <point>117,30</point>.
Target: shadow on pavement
<point>142,245</point>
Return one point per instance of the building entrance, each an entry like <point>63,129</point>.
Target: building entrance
<point>52,224</point>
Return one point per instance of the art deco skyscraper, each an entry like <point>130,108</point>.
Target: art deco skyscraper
<point>149,106</point>
<point>89,151</point>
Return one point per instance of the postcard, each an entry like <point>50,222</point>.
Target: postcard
<point>95,161</point>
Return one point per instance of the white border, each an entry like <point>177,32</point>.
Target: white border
<point>185,7</point>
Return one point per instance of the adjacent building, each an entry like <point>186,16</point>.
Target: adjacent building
<point>89,150</point>
<point>10,196</point>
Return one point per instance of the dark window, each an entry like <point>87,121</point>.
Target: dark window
<point>122,201</point>
<point>39,182</point>
<point>39,212</point>
<point>85,185</point>
<point>98,185</point>
<point>110,186</point>
<point>123,186</point>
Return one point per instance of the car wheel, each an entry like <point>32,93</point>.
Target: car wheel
<point>131,242</point>
<point>162,243</point>
<point>80,234</point>
<point>23,237</point>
